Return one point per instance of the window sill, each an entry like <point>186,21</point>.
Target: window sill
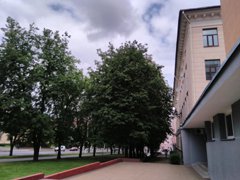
<point>210,46</point>
<point>213,140</point>
<point>229,139</point>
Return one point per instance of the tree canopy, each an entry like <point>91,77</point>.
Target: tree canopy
<point>131,102</point>
<point>40,85</point>
<point>46,100</point>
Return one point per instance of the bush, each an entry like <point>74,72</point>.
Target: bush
<point>174,158</point>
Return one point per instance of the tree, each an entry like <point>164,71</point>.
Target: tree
<point>16,56</point>
<point>53,72</point>
<point>131,101</point>
<point>40,86</point>
<point>80,127</point>
<point>67,95</point>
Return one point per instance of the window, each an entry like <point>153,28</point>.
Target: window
<point>229,126</point>
<point>210,37</point>
<point>212,131</point>
<point>211,67</point>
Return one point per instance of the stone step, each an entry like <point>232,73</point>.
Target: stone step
<point>201,169</point>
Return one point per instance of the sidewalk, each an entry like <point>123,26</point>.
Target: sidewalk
<point>140,171</point>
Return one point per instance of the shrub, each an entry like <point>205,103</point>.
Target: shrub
<point>174,158</point>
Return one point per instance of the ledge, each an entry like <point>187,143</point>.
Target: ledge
<point>77,170</point>
<point>32,177</point>
<point>230,139</point>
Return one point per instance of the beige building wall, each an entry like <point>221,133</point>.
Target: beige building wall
<point>190,80</point>
<point>231,20</point>
<point>201,53</point>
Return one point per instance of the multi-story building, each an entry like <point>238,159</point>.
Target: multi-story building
<point>208,104</point>
<point>200,51</point>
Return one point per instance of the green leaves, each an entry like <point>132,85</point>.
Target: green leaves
<point>40,86</point>
<point>130,100</point>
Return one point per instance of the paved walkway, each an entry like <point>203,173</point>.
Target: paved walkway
<point>140,171</point>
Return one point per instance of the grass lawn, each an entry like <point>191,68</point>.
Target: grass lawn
<point>12,170</point>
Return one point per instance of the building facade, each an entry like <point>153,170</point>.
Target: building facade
<point>209,126</point>
<point>231,18</point>
<point>199,53</point>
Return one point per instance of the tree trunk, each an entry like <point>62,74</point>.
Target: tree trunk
<point>141,152</point>
<point>111,150</point>
<point>36,147</point>
<point>126,151</point>
<point>94,150</point>
<point>152,152</point>
<point>137,152</point>
<point>59,151</point>
<point>11,146</point>
<point>119,149</point>
<point>134,152</point>
<point>130,151</point>
<point>80,150</point>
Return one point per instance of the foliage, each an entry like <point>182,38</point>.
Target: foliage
<point>131,102</point>
<point>15,79</point>
<point>45,99</point>
<point>175,158</point>
<point>40,86</point>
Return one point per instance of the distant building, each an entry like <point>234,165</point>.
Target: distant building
<point>207,88</point>
<point>4,138</point>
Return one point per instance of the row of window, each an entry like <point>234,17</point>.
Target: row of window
<point>210,39</point>
<point>226,131</point>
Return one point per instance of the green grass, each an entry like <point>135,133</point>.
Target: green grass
<point>12,170</point>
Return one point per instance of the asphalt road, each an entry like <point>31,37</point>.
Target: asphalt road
<point>44,151</point>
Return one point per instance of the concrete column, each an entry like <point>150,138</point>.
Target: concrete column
<point>193,146</point>
<point>219,126</point>
<point>236,118</point>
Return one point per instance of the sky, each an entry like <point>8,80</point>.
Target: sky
<point>92,24</point>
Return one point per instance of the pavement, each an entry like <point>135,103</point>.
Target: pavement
<point>140,171</point>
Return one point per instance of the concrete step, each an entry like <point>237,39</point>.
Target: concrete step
<point>201,169</point>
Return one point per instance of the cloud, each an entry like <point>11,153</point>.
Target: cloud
<point>92,24</point>
<point>107,18</point>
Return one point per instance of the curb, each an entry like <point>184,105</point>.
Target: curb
<point>77,170</point>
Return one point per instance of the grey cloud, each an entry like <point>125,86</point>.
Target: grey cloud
<point>106,18</point>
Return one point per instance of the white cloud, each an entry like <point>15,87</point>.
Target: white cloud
<point>92,24</point>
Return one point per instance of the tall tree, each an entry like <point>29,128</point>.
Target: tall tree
<point>40,86</point>
<point>79,129</point>
<point>131,101</point>
<point>67,95</point>
<point>54,62</point>
<point>16,55</point>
